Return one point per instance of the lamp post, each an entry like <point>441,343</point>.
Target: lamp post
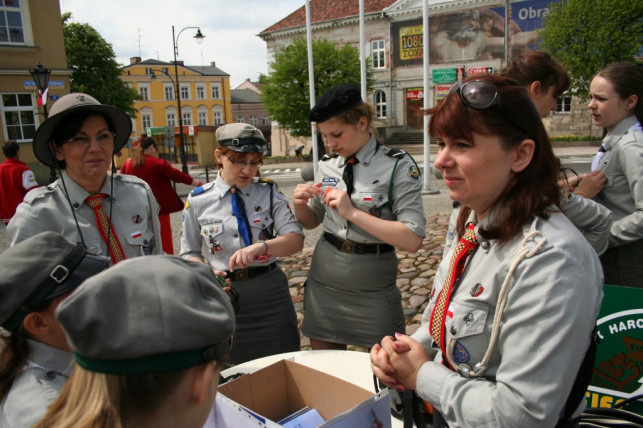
<point>175,41</point>
<point>40,76</point>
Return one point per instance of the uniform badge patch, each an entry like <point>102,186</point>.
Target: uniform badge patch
<point>137,218</point>
<point>476,290</point>
<point>460,353</point>
<point>413,172</point>
<point>468,318</point>
<point>187,205</point>
<point>330,181</point>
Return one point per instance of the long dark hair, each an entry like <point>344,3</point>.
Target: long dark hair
<point>627,80</point>
<point>13,358</point>
<point>143,144</point>
<point>538,66</point>
<point>531,191</point>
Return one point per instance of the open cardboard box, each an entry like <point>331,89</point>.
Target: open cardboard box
<point>284,387</point>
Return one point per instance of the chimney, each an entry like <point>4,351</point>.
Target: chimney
<point>179,62</point>
<point>133,60</point>
<point>213,64</point>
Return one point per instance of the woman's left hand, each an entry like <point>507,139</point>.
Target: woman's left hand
<point>245,256</point>
<point>338,200</point>
<point>406,356</point>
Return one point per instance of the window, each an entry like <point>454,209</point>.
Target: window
<point>144,91</point>
<point>380,104</point>
<point>12,29</point>
<point>378,54</point>
<point>18,111</point>
<point>187,117</point>
<point>200,91</point>
<point>266,120</point>
<point>169,91</point>
<point>564,104</point>
<point>202,116</point>
<point>240,119</point>
<point>149,71</point>
<point>217,117</point>
<point>253,119</point>
<point>215,90</point>
<point>146,120</point>
<point>185,91</point>
<point>170,118</point>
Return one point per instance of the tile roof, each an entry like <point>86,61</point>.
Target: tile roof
<point>326,10</point>
<point>242,96</point>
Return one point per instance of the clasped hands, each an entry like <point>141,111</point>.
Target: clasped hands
<point>397,361</point>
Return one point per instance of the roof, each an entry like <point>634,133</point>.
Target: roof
<point>327,10</point>
<point>204,70</point>
<point>242,96</point>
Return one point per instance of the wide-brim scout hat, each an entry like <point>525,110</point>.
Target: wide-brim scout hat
<point>71,104</point>
<point>241,137</point>
<point>335,101</point>
<point>152,314</point>
<point>38,269</point>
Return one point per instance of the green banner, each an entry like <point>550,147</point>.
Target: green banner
<point>444,75</point>
<point>618,372</point>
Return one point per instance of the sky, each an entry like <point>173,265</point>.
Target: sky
<point>144,28</point>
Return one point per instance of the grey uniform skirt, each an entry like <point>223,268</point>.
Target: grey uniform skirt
<point>266,322</point>
<point>352,298</point>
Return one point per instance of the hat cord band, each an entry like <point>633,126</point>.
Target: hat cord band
<point>241,141</point>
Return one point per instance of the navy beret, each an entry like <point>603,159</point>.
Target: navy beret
<point>335,101</point>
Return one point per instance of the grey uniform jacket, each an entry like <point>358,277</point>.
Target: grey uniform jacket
<point>36,387</point>
<point>208,222</point>
<point>134,215</point>
<point>623,191</point>
<point>591,218</point>
<point>373,176</point>
<point>544,333</point>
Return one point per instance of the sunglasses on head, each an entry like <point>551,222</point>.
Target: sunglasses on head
<point>481,95</point>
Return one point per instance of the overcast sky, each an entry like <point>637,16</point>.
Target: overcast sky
<point>144,28</point>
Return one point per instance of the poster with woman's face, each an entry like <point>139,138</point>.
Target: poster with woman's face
<point>476,34</point>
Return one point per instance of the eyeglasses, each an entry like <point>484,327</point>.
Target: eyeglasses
<point>481,95</point>
<point>241,164</point>
<point>101,140</point>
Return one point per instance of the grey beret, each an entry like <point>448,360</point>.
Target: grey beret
<point>37,270</point>
<point>335,101</point>
<point>71,104</point>
<point>241,137</point>
<point>148,314</point>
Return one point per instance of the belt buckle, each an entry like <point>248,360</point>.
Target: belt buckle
<point>348,246</point>
<point>241,275</point>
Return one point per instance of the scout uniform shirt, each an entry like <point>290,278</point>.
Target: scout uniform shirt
<point>209,224</point>
<point>379,191</point>
<point>134,215</point>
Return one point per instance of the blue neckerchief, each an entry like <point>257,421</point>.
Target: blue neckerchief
<point>239,211</point>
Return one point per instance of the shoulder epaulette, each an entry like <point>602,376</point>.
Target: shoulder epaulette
<point>329,157</point>
<point>200,189</point>
<point>39,192</point>
<point>263,180</point>
<point>395,153</point>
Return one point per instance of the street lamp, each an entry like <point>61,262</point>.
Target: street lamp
<point>40,76</point>
<point>175,41</point>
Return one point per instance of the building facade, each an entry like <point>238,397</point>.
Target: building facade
<point>31,33</point>
<point>205,104</point>
<point>247,107</point>
<point>465,37</point>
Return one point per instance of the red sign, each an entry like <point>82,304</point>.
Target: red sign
<point>480,70</point>
<point>415,94</point>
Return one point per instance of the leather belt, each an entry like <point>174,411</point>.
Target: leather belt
<point>348,246</point>
<point>251,272</point>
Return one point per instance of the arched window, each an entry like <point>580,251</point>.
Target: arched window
<point>380,104</point>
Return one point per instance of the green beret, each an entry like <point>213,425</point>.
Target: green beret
<point>335,101</point>
<point>148,314</point>
<point>38,269</point>
<point>241,137</point>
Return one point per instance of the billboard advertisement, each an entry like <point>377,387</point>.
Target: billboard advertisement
<point>476,34</point>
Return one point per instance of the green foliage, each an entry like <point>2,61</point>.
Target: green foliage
<point>94,67</point>
<point>586,35</point>
<point>286,93</point>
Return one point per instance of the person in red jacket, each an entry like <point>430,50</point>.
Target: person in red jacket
<point>16,179</point>
<point>159,174</point>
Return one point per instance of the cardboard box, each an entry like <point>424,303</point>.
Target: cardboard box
<point>276,391</point>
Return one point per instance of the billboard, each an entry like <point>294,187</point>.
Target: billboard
<point>476,34</point>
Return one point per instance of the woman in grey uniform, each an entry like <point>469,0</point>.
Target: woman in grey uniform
<point>35,358</point>
<point>616,104</point>
<point>242,223</point>
<point>79,139</point>
<point>515,299</point>
<point>368,198</point>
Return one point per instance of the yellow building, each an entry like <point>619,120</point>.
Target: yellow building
<point>30,34</point>
<point>205,104</point>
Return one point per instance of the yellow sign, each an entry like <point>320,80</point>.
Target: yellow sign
<point>411,42</point>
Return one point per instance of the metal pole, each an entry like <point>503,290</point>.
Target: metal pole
<point>427,103</point>
<point>184,161</point>
<point>362,53</point>
<point>311,84</point>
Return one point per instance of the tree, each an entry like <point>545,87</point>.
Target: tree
<point>94,67</point>
<point>586,35</point>
<point>286,93</point>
